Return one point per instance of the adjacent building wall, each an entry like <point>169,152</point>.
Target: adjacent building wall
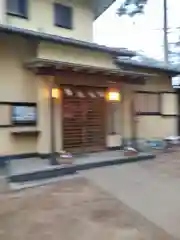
<point>149,126</point>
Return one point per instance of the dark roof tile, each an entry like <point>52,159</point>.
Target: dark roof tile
<point>65,41</point>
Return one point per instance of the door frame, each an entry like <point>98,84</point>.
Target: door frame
<point>84,148</point>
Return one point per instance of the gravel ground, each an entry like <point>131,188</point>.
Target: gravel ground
<point>71,210</point>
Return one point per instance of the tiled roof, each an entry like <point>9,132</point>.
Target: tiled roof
<point>65,41</point>
<point>145,62</point>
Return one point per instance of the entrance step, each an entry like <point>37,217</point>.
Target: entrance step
<point>23,171</point>
<point>114,160</point>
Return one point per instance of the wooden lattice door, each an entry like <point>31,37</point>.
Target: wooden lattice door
<point>84,119</point>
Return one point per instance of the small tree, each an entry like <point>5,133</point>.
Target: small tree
<point>131,7</point>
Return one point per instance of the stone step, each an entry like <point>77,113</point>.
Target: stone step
<point>15,186</point>
<point>59,171</point>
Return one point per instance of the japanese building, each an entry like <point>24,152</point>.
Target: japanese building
<point>60,91</point>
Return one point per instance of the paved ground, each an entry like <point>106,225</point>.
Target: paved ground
<point>150,188</point>
<point>135,201</point>
<point>165,165</point>
<point>71,210</point>
<point>3,182</point>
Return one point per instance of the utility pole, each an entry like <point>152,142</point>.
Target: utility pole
<point>123,10</point>
<point>165,32</point>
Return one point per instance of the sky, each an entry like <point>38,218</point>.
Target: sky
<point>142,33</point>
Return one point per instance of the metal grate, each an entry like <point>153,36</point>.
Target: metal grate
<point>83,119</point>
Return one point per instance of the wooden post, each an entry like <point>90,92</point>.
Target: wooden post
<point>53,159</point>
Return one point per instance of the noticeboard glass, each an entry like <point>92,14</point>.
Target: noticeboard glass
<point>22,115</point>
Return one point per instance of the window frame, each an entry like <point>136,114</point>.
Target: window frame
<point>62,25</point>
<point>20,13</point>
<point>145,108</point>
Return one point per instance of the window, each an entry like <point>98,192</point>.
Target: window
<point>147,103</point>
<point>169,104</point>
<point>62,16</point>
<point>17,8</point>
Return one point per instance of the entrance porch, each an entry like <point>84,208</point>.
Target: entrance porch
<point>78,118</point>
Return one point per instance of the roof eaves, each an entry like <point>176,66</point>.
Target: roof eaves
<point>169,70</point>
<point>100,6</point>
<point>66,41</point>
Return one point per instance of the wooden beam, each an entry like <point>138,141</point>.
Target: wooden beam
<point>86,78</point>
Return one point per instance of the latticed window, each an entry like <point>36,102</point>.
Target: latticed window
<point>147,103</point>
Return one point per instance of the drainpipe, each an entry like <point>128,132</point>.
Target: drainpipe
<point>123,116</point>
<point>134,123</point>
